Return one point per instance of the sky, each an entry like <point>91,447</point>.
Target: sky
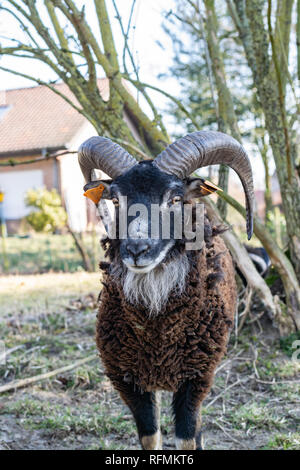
<point>148,18</point>
<point>151,58</point>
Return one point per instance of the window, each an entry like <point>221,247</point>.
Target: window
<point>3,111</point>
<point>14,184</point>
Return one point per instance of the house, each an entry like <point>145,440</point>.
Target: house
<point>35,121</point>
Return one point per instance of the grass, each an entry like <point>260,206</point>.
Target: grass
<point>52,318</point>
<point>270,368</point>
<point>289,343</point>
<point>289,441</point>
<point>288,392</point>
<point>94,418</point>
<point>45,293</point>
<point>258,416</point>
<point>40,253</point>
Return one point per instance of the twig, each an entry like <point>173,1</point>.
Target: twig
<point>125,36</point>
<point>41,82</point>
<point>280,95</point>
<point>222,393</point>
<point>208,62</point>
<point>277,382</point>
<point>136,83</point>
<point>225,363</point>
<point>13,162</point>
<point>4,446</point>
<point>298,38</point>
<point>229,436</point>
<point>5,354</point>
<point>24,382</point>
<point>254,362</point>
<point>256,317</point>
<point>246,310</point>
<point>126,48</point>
<point>131,146</point>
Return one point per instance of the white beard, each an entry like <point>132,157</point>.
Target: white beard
<point>152,289</point>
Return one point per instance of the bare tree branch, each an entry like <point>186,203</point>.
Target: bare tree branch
<point>298,38</point>
<point>278,258</point>
<point>281,94</point>
<point>137,82</point>
<point>14,162</point>
<point>165,93</point>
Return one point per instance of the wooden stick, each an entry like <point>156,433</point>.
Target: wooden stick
<point>230,436</point>
<point>5,354</point>
<point>220,394</point>
<point>246,310</point>
<point>24,382</point>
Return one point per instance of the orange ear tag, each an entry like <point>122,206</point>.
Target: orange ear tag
<point>95,194</point>
<point>213,186</point>
<point>205,189</point>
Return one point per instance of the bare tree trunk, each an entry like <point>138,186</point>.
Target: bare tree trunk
<point>291,315</point>
<point>282,36</point>
<point>227,120</point>
<point>266,81</point>
<point>298,39</point>
<point>268,193</point>
<point>243,261</point>
<point>87,264</point>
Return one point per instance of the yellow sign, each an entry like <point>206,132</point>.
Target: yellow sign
<point>1,196</point>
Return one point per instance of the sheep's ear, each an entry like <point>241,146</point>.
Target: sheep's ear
<point>198,187</point>
<point>95,190</point>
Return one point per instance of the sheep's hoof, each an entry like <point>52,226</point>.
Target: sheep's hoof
<point>185,444</point>
<point>153,442</point>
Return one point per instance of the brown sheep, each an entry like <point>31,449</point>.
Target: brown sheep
<point>166,310</point>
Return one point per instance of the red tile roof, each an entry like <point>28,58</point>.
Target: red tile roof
<point>37,118</point>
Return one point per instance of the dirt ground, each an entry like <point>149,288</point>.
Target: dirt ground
<point>254,403</point>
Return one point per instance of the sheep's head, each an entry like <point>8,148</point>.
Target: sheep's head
<point>151,190</point>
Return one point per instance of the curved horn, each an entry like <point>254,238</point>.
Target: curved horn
<point>103,154</point>
<point>205,148</point>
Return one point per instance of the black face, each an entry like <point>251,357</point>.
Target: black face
<point>149,191</point>
<point>149,212</point>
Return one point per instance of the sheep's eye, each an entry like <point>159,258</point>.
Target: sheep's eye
<point>176,199</point>
<point>115,201</point>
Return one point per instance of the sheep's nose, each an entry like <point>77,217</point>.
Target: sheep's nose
<point>137,248</point>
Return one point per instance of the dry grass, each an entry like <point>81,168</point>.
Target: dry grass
<point>254,403</point>
<point>39,253</point>
<point>40,292</point>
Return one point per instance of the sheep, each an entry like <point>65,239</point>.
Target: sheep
<point>165,311</point>
<point>260,259</point>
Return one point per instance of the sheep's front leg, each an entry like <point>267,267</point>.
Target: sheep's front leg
<point>187,414</point>
<point>145,408</point>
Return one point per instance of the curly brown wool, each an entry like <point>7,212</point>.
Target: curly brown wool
<point>185,341</point>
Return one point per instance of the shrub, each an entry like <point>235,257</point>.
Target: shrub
<point>48,213</point>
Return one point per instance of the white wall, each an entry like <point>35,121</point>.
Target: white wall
<point>15,185</point>
<point>72,181</point>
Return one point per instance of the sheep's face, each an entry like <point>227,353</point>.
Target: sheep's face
<point>149,213</point>
<point>143,196</point>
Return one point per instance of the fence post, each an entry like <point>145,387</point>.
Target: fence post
<point>3,233</point>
